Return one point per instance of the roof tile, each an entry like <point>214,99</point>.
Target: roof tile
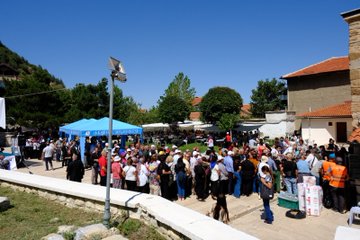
<point>329,65</point>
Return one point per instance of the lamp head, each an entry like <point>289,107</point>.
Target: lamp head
<point>118,70</point>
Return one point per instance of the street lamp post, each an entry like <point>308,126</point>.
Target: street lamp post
<point>117,73</point>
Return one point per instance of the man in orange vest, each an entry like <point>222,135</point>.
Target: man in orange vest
<point>327,199</point>
<point>338,176</point>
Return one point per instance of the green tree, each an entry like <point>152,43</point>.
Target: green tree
<point>219,101</point>
<point>228,121</point>
<point>267,97</point>
<point>173,109</point>
<point>33,100</point>
<point>142,116</point>
<point>180,87</point>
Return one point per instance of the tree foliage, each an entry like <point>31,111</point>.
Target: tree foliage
<point>267,97</point>
<point>228,121</point>
<point>173,109</point>
<point>219,101</point>
<point>180,87</point>
<point>142,116</point>
<point>38,99</point>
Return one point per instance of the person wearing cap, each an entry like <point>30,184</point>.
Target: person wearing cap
<point>326,176</point>
<point>116,171</point>
<point>338,176</point>
<point>229,166</point>
<point>75,170</point>
<point>215,177</point>
<point>224,180</point>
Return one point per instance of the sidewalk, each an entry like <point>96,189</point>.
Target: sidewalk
<point>245,212</point>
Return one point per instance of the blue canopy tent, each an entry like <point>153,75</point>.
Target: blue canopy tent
<point>101,128</point>
<point>71,128</point>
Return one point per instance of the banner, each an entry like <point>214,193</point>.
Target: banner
<point>2,113</point>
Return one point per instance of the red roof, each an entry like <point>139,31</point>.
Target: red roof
<point>338,110</point>
<point>194,116</point>
<point>245,110</point>
<point>329,65</point>
<point>196,101</point>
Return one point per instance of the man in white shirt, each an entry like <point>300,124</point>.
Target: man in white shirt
<point>48,153</point>
<point>311,159</point>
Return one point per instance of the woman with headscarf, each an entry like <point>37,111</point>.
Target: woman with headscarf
<point>200,180</point>
<point>180,178</point>
<point>248,173</point>
<point>165,173</point>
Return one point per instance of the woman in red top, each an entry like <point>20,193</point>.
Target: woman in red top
<point>102,165</point>
<point>116,170</point>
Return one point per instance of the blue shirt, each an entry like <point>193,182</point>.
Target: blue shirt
<point>303,166</point>
<point>272,164</point>
<point>229,166</point>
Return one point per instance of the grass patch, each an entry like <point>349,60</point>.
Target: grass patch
<point>30,217</point>
<point>134,229</point>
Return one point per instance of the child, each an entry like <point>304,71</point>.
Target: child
<point>219,210</point>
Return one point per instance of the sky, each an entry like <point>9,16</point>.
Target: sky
<point>229,43</point>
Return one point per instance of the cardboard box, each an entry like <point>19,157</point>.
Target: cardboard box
<point>301,196</point>
<point>309,180</point>
<point>313,200</point>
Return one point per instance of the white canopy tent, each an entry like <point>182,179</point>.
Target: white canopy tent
<point>155,127</point>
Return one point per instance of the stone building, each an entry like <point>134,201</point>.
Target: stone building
<point>353,19</point>
<point>326,95</point>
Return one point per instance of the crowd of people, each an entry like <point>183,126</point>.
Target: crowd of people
<point>219,171</point>
<point>230,169</point>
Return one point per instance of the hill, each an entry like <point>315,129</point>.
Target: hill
<point>29,90</point>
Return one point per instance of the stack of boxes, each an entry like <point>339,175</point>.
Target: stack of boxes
<point>310,196</point>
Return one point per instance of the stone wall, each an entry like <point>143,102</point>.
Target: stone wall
<point>353,19</point>
<point>170,219</point>
<point>318,91</point>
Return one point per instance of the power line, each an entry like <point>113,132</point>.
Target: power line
<point>33,94</point>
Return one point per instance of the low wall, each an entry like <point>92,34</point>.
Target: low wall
<point>170,219</point>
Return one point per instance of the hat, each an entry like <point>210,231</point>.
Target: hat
<point>264,158</point>
<point>230,153</point>
<point>332,155</point>
<point>60,139</point>
<point>106,144</point>
<point>177,151</point>
<point>51,141</point>
<point>117,159</point>
<point>161,153</point>
<point>174,146</point>
<point>339,160</point>
<point>122,152</point>
<point>117,146</point>
<point>195,153</point>
<point>220,158</point>
<point>128,150</point>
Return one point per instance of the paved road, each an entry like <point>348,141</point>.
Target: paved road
<point>245,213</point>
